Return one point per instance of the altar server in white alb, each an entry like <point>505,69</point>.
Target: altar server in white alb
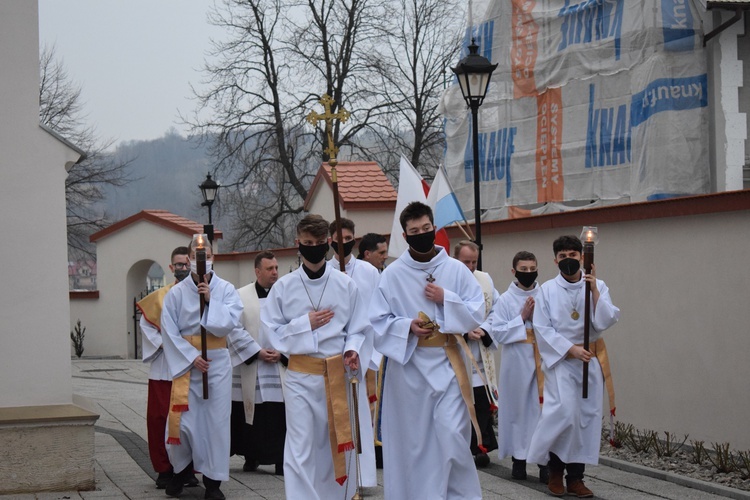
<point>520,380</point>
<point>427,393</point>
<point>198,429</point>
<point>315,317</point>
<point>366,277</point>
<point>568,433</point>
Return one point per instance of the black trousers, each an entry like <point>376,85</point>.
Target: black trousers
<point>575,470</point>
<point>484,419</point>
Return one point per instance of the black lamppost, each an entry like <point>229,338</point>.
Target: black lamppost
<point>474,73</point>
<point>209,187</point>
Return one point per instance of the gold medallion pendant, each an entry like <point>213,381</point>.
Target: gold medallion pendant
<point>575,315</point>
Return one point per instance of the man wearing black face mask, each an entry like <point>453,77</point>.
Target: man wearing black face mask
<point>366,278</point>
<point>316,318</point>
<point>159,379</point>
<point>521,380</point>
<point>424,303</point>
<point>568,433</point>
<point>482,348</point>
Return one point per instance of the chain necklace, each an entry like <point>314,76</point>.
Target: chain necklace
<point>429,277</point>
<point>315,308</point>
<point>573,300</point>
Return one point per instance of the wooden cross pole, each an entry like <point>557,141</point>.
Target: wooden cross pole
<point>328,116</point>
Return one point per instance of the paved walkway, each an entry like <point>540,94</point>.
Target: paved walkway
<point>118,390</point>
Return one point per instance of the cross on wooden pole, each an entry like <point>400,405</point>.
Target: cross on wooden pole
<point>331,150</point>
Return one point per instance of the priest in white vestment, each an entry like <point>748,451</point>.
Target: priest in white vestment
<point>366,277</point>
<point>483,348</point>
<point>258,419</point>
<point>425,415</point>
<point>198,429</point>
<point>315,316</point>
<point>520,380</point>
<point>568,433</point>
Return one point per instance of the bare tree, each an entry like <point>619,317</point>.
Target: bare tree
<point>280,58</point>
<point>61,109</point>
<point>419,41</point>
<point>370,56</point>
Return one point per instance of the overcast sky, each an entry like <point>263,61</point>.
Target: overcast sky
<point>135,59</point>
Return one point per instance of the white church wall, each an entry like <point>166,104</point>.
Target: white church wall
<point>37,408</point>
<point>34,306</point>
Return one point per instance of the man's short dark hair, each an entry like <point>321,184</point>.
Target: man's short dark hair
<point>567,243</point>
<point>266,254</point>
<point>314,225</point>
<point>415,210</point>
<point>179,251</point>
<point>369,243</point>
<point>345,224</point>
<point>464,243</point>
<point>523,255</point>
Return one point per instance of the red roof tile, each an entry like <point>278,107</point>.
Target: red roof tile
<point>158,217</point>
<point>362,186</point>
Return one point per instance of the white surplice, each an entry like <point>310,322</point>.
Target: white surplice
<point>518,403</point>
<point>152,352</point>
<point>366,277</point>
<point>490,299</point>
<point>204,428</point>
<point>308,465</point>
<point>260,381</point>
<point>425,422</point>
<point>569,426</point>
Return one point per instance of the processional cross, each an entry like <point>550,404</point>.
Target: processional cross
<point>329,117</point>
<point>331,150</point>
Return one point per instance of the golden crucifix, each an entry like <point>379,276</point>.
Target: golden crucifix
<point>328,117</point>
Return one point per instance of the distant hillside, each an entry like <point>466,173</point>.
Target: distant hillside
<point>166,173</point>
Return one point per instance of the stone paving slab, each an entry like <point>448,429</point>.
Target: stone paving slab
<point>117,390</point>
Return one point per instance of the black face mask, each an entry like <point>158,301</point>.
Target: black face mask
<point>181,274</point>
<point>348,247</point>
<point>526,279</point>
<point>313,253</point>
<point>421,243</point>
<point>569,266</point>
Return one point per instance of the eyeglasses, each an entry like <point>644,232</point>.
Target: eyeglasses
<point>180,265</point>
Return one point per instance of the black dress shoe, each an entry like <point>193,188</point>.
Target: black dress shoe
<point>163,480</point>
<point>250,465</point>
<point>192,481</point>
<point>544,474</point>
<point>519,469</point>
<point>212,489</point>
<point>481,460</point>
<point>175,486</point>
<point>279,470</point>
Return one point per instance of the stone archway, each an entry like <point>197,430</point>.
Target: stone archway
<point>138,285</point>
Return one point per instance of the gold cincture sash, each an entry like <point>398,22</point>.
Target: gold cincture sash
<point>599,349</point>
<point>178,401</point>
<point>449,342</point>
<point>339,426</point>
<point>531,339</point>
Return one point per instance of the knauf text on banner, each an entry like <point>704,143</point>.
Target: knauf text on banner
<point>623,121</point>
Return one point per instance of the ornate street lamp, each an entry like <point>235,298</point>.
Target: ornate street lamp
<point>209,188</point>
<point>474,73</point>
